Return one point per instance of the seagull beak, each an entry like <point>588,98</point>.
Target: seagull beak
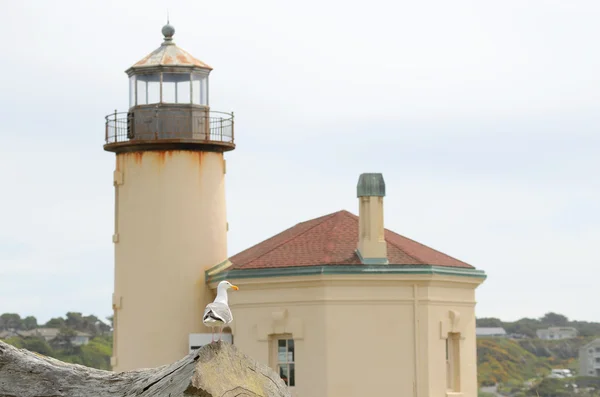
<point>235,287</point>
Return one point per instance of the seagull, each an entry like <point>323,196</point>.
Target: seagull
<point>217,313</point>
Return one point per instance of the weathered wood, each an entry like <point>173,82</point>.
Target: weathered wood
<point>215,370</point>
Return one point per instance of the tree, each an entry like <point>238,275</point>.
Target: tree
<point>74,321</point>
<point>11,321</point>
<point>550,388</point>
<point>38,345</point>
<point>489,322</point>
<point>525,326</point>
<point>63,339</point>
<point>103,328</point>
<point>554,319</point>
<point>30,322</point>
<point>89,324</point>
<point>56,322</point>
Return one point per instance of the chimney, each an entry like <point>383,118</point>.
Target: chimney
<point>372,248</point>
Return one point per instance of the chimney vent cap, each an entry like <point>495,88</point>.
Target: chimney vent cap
<point>370,185</point>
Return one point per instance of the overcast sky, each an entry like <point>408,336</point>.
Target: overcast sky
<point>482,116</point>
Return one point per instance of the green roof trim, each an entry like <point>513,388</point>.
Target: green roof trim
<point>344,269</point>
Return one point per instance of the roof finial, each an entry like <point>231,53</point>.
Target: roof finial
<point>168,31</point>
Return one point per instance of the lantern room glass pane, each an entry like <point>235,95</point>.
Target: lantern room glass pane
<point>131,91</point>
<point>176,88</point>
<point>148,89</point>
<point>142,92</point>
<point>199,89</point>
<point>184,91</point>
<point>154,89</point>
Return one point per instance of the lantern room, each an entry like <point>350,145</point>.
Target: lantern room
<point>169,105</point>
<point>168,75</point>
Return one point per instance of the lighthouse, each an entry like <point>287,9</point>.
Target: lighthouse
<point>170,218</point>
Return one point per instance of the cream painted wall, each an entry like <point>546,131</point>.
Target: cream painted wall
<point>449,308</point>
<point>357,335</point>
<point>170,225</point>
<point>369,349</point>
<point>259,313</point>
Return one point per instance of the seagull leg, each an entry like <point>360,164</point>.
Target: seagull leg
<point>212,331</point>
<point>221,334</point>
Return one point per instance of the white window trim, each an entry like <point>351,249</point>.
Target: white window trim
<point>275,355</point>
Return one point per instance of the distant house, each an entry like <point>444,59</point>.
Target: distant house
<point>517,336</point>
<point>557,333</point>
<point>81,338</point>
<point>496,332</point>
<point>47,333</point>
<point>589,359</point>
<point>560,373</point>
<point>7,334</point>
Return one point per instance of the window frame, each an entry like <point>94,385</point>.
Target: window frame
<point>139,82</point>
<point>290,365</point>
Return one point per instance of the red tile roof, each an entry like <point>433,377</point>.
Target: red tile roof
<point>332,240</point>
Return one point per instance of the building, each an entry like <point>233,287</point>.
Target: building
<point>560,373</point>
<point>589,359</point>
<point>557,333</point>
<point>49,334</point>
<point>341,306</point>
<point>170,219</point>
<point>496,332</point>
<point>517,336</point>
<point>8,334</point>
<point>337,305</point>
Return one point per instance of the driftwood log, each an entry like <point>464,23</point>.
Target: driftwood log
<point>215,370</point>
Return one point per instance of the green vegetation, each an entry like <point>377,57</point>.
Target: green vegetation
<point>20,332</point>
<point>502,360</point>
<point>520,366</point>
<point>516,361</point>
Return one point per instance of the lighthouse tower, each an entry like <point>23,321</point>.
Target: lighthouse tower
<point>170,218</point>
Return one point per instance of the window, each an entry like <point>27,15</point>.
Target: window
<point>199,89</point>
<point>453,362</point>
<point>598,349</point>
<point>286,361</point>
<point>148,89</point>
<point>598,359</point>
<point>176,88</point>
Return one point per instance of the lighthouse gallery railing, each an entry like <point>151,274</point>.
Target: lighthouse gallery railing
<point>151,124</point>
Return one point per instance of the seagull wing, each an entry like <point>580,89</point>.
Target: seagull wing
<point>217,312</point>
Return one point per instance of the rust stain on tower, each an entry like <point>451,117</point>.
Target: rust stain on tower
<point>161,157</point>
<point>138,157</point>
